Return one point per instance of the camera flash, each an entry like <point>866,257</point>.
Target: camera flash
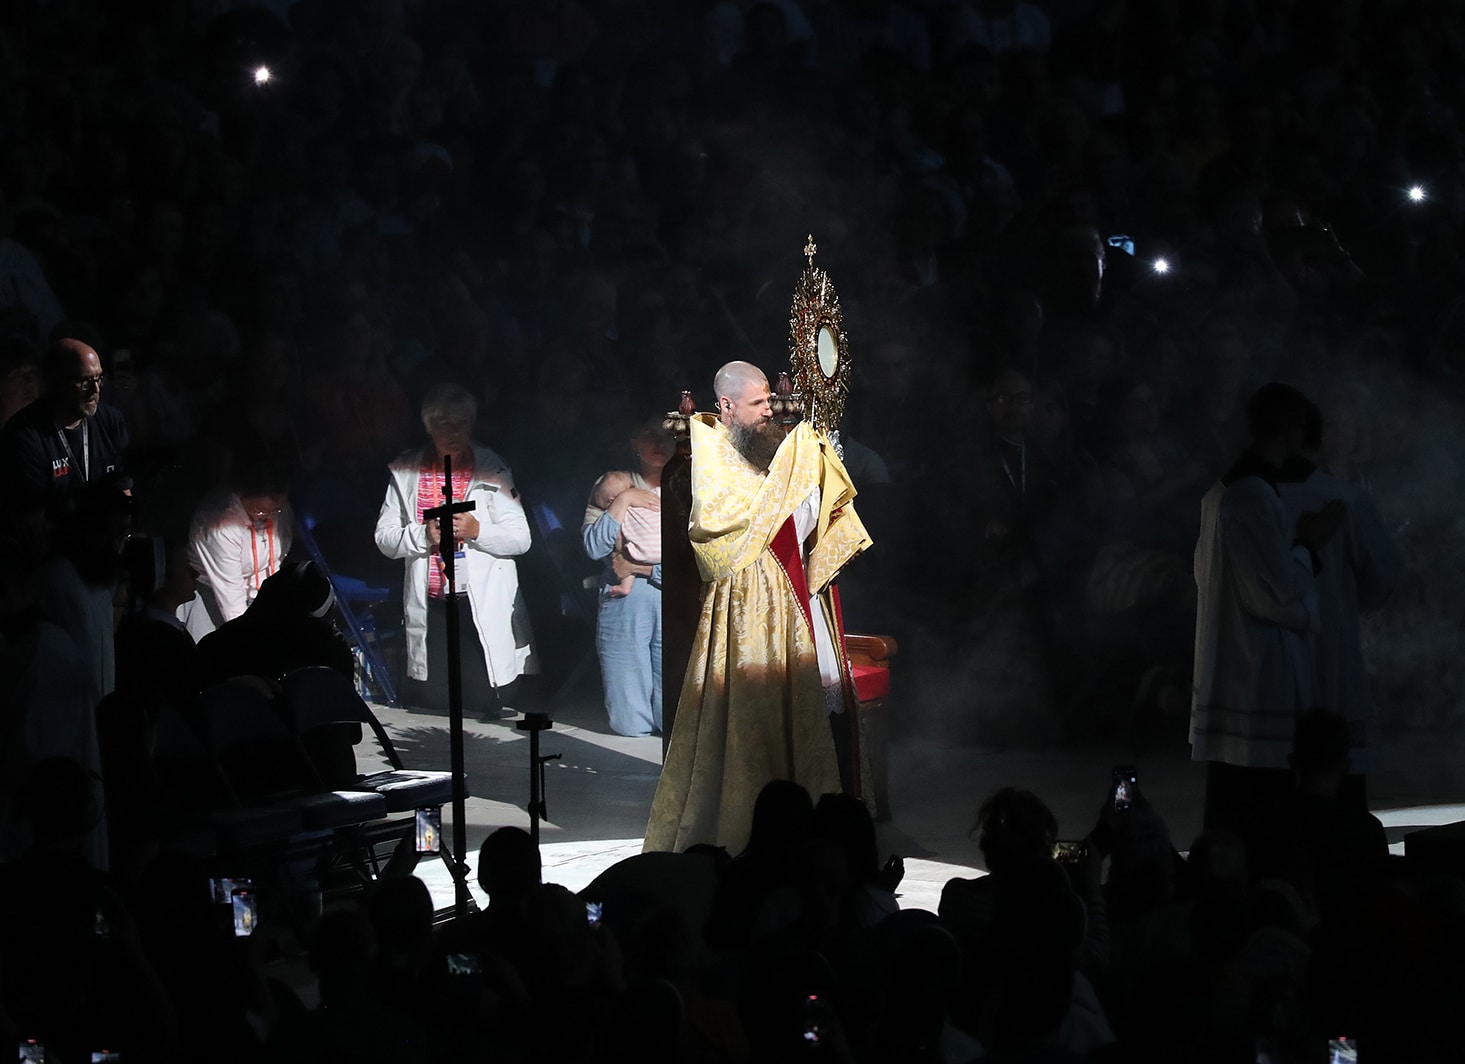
<point>1416,193</point>
<point>262,75</point>
<point>1162,266</point>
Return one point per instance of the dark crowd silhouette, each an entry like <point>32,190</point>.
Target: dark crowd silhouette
<point>239,245</point>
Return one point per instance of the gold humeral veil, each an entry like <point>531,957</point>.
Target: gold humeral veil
<point>752,706</point>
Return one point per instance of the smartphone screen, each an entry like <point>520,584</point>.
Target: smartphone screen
<point>105,1056</point>
<point>429,830</point>
<point>592,913</point>
<point>223,889</point>
<point>1125,779</point>
<point>1342,1050</point>
<point>31,1050</point>
<point>246,912</point>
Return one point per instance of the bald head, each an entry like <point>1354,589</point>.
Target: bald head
<point>742,395</point>
<point>63,356</point>
<point>736,377</point>
<point>73,379</point>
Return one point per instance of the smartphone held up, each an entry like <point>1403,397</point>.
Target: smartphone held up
<point>246,912</point>
<point>429,830</point>
<point>1124,786</point>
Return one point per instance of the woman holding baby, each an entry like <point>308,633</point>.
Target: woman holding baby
<point>622,526</point>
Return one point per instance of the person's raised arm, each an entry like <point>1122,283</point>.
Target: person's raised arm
<point>599,536</point>
<point>646,500</point>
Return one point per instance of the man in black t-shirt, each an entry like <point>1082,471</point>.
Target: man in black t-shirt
<point>66,438</point>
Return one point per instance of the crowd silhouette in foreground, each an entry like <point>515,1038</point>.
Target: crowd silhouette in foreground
<point>1263,944</point>
<point>1070,238</point>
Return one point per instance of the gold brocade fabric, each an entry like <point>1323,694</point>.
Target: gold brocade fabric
<point>751,707</point>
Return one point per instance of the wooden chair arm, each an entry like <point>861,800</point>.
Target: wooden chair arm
<point>870,649</point>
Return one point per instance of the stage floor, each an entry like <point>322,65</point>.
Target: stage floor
<point>599,791</point>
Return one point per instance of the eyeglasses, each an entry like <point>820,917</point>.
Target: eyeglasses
<point>88,383</point>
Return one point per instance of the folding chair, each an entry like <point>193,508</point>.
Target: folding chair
<point>317,697</point>
<point>354,600</point>
<point>263,759</point>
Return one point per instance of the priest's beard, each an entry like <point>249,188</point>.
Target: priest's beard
<point>757,443</point>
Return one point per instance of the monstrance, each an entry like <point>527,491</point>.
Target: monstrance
<point>819,349</point>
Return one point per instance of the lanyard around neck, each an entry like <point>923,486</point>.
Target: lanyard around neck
<point>254,549</point>
<point>86,451</point>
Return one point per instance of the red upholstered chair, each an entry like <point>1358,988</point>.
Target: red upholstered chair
<point>869,657</point>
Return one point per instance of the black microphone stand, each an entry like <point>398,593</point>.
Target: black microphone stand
<point>446,543</point>
<point>534,723</point>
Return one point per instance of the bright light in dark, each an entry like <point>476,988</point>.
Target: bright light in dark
<point>1416,193</point>
<point>1162,266</point>
<point>262,75</point>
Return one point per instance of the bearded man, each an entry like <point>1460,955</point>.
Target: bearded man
<point>771,526</point>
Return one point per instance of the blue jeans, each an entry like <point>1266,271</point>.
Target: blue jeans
<point>628,642</point>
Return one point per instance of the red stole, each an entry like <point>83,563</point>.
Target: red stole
<point>785,550</point>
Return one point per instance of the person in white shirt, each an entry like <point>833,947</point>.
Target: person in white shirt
<point>239,539</point>
<point>1257,603</point>
<point>495,639</point>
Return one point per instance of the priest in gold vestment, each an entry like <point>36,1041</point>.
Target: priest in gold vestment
<point>772,525</point>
